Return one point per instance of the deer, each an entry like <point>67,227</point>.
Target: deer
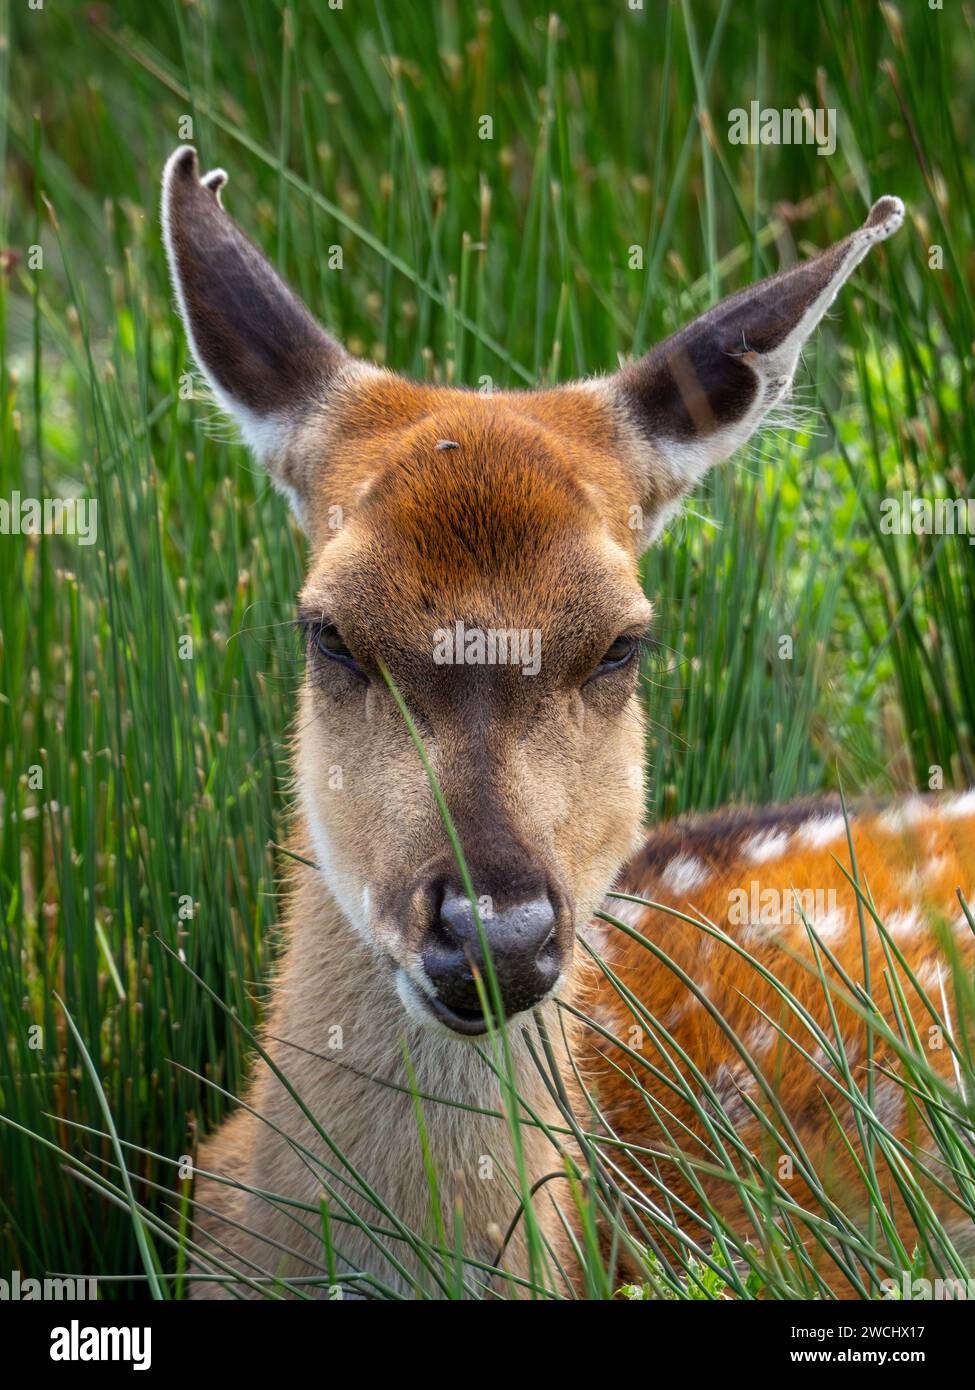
<point>435,517</point>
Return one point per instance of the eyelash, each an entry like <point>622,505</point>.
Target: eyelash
<point>643,645</point>
<point>312,629</point>
<point>648,643</point>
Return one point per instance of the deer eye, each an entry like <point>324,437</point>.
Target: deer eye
<point>328,641</point>
<point>618,654</point>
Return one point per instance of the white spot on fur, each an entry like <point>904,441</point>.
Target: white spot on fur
<point>767,844</point>
<point>912,884</point>
<point>935,867</point>
<point>728,1086</point>
<point>832,927</point>
<point>903,924</point>
<point>888,1103</point>
<point>632,914</point>
<point>677,1011</point>
<point>958,807</point>
<point>758,932</point>
<point>929,973</point>
<point>603,936</point>
<point>821,831</point>
<point>706,947</point>
<point>760,1039</point>
<point>905,816</point>
<point>604,1016</point>
<point>684,873</point>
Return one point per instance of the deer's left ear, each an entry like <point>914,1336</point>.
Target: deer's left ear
<point>698,396</point>
<point>266,359</point>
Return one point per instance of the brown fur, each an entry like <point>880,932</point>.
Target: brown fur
<point>910,862</point>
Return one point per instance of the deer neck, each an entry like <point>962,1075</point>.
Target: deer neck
<point>339,1032</point>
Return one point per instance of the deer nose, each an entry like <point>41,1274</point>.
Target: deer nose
<point>524,949</point>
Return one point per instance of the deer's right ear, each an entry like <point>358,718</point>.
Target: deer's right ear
<point>265,358</point>
<point>695,399</point>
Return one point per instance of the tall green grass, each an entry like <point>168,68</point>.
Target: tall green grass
<point>164,776</point>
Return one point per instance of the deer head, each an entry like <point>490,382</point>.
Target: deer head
<point>483,549</point>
